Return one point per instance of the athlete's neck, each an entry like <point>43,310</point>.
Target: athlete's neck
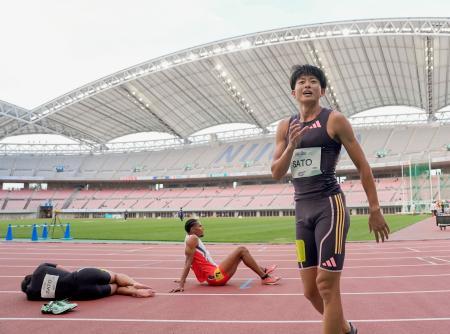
<point>309,112</point>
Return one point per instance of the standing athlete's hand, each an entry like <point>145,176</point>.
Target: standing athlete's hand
<point>296,133</point>
<point>378,226</point>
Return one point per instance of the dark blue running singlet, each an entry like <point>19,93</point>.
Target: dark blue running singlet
<point>320,151</point>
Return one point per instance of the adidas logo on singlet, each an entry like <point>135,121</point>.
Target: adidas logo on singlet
<point>315,125</point>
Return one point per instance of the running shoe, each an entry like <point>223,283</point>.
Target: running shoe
<point>270,280</point>
<point>270,269</point>
<point>58,307</point>
<point>353,329</point>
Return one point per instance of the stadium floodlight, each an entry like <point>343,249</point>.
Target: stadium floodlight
<point>165,64</point>
<point>231,47</point>
<point>245,44</point>
<point>193,56</point>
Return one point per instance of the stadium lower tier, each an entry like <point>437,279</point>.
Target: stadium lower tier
<point>394,194</point>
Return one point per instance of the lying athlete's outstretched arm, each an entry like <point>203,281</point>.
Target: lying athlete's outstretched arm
<point>189,251</point>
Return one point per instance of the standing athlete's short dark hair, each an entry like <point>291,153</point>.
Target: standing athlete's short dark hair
<point>191,222</point>
<point>298,70</point>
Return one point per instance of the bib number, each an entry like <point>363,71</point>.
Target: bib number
<point>49,286</point>
<point>306,162</point>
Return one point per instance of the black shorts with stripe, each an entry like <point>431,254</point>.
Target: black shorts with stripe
<point>321,232</point>
<point>91,283</point>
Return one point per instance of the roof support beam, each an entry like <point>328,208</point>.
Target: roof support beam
<point>330,95</point>
<point>14,112</point>
<point>140,99</point>
<point>429,70</point>
<point>228,85</point>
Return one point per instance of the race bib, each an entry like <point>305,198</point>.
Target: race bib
<point>49,286</point>
<point>218,274</point>
<point>306,162</point>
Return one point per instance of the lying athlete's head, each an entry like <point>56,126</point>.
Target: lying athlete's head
<point>298,70</point>
<point>26,281</point>
<point>193,226</point>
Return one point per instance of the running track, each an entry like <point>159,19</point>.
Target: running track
<point>396,287</point>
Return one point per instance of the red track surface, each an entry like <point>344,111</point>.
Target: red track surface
<point>396,287</point>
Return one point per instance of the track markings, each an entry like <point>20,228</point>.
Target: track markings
<point>203,321</point>
<point>247,284</point>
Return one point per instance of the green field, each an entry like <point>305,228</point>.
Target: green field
<point>264,229</point>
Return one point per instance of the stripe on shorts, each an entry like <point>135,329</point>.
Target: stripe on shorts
<point>340,219</point>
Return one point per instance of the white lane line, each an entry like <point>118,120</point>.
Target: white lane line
<point>363,293</point>
<point>203,321</point>
<point>275,248</point>
<point>425,260</point>
<point>181,258</point>
<point>181,251</point>
<point>297,278</point>
<point>375,251</point>
<point>439,258</point>
<point>222,321</point>
<point>279,268</point>
<point>139,249</point>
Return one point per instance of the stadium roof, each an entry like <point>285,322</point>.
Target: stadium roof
<point>369,64</point>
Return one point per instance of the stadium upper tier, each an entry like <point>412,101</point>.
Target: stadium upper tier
<point>384,146</point>
<point>369,64</point>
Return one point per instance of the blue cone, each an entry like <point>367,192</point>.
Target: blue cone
<point>67,233</point>
<point>34,233</point>
<point>9,234</point>
<point>44,235</point>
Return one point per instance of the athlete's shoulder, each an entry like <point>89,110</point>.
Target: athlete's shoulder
<point>339,126</point>
<point>283,125</point>
<point>192,241</point>
<point>337,118</point>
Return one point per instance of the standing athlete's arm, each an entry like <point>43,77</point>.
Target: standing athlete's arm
<point>189,251</point>
<point>342,129</point>
<point>284,150</point>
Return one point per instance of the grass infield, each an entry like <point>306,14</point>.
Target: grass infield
<point>252,229</point>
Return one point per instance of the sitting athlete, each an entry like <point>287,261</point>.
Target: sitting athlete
<point>51,281</point>
<point>204,267</point>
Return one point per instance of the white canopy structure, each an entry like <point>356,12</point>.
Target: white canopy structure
<point>368,63</point>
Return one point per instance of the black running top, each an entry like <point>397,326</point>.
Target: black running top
<point>57,282</point>
<point>325,183</point>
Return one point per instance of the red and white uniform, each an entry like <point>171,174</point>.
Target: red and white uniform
<point>203,264</point>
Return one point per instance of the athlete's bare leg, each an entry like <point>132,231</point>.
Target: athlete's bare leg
<point>231,262</point>
<point>322,289</point>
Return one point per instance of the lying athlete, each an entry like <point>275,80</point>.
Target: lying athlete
<point>54,282</point>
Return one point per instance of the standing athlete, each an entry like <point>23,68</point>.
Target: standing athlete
<point>309,143</point>
<point>204,267</point>
<point>181,214</point>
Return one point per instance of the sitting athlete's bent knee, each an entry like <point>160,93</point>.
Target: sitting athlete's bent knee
<point>242,249</point>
